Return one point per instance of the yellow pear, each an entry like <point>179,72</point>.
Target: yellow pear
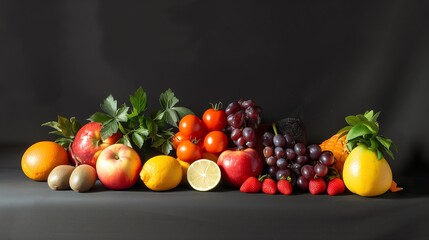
<point>366,175</point>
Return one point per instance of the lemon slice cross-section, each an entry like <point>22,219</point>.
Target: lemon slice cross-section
<point>203,175</point>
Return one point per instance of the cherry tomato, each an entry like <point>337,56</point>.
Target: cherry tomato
<point>188,151</point>
<point>214,118</point>
<point>215,142</point>
<point>191,126</point>
<point>178,138</point>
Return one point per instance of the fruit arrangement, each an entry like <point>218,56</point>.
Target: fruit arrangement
<point>122,145</point>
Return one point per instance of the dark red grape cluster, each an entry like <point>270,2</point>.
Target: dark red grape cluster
<point>243,119</point>
<point>295,161</point>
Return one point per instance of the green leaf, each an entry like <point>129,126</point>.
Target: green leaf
<point>372,126</point>
<point>139,101</point>
<point>109,106</point>
<point>109,129</point>
<point>351,145</point>
<point>373,144</point>
<point>358,130</point>
<point>167,99</point>
<point>142,131</point>
<point>166,147</point>
<point>138,139</point>
<point>384,141</point>
<point>352,120</point>
<point>170,117</point>
<point>158,142</point>
<point>125,140</point>
<point>375,117</point>
<point>75,125</point>
<point>369,115</point>
<point>122,114</point>
<point>361,117</point>
<point>64,127</point>
<point>182,111</point>
<point>151,127</point>
<point>100,117</point>
<point>388,152</point>
<point>64,142</point>
<point>379,154</point>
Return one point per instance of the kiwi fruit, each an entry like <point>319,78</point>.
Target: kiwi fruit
<point>58,178</point>
<point>83,178</point>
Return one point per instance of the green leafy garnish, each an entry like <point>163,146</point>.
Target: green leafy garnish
<point>64,128</point>
<point>364,129</point>
<point>111,117</point>
<point>138,128</point>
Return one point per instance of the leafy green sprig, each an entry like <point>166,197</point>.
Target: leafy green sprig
<point>65,128</point>
<point>138,128</point>
<point>364,129</point>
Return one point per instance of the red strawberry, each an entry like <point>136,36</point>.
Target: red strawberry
<point>317,186</point>
<point>336,186</point>
<point>269,186</point>
<point>284,187</point>
<point>251,185</point>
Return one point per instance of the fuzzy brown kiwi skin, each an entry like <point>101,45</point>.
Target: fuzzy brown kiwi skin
<point>83,178</point>
<point>58,178</point>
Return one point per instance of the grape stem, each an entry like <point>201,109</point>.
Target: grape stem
<point>275,128</point>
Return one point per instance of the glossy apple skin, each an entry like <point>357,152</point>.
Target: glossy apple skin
<point>118,167</point>
<point>87,144</point>
<point>238,165</point>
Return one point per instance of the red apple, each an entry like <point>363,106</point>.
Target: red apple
<point>238,165</point>
<point>118,167</point>
<point>87,144</point>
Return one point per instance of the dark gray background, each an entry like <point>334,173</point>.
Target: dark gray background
<point>317,60</point>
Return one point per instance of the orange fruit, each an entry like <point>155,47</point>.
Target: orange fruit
<point>41,158</point>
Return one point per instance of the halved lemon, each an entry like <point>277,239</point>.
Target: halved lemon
<point>203,175</point>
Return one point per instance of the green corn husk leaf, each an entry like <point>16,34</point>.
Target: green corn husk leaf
<point>385,142</point>
<point>372,126</point>
<point>374,144</point>
<point>363,129</point>
<point>379,154</point>
<point>352,120</point>
<point>359,130</point>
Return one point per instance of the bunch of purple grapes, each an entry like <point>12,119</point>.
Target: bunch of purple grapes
<point>295,161</point>
<point>243,119</point>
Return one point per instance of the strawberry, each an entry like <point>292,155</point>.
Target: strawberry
<point>269,186</point>
<point>336,186</point>
<point>284,187</point>
<point>317,186</point>
<point>251,185</point>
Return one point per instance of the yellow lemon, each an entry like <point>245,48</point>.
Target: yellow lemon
<point>161,173</point>
<point>185,166</point>
<point>366,175</point>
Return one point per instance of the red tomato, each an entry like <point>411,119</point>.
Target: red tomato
<point>191,126</point>
<point>214,119</point>
<point>188,151</point>
<point>215,142</point>
<point>178,138</point>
